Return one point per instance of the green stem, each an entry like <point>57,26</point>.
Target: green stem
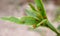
<point>49,25</point>
<point>58,34</point>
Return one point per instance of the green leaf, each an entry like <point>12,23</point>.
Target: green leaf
<point>29,20</point>
<point>40,7</point>
<point>34,14</point>
<point>12,19</point>
<point>32,7</point>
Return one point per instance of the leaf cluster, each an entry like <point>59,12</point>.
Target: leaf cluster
<point>35,16</point>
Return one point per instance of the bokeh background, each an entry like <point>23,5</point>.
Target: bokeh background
<point>17,8</point>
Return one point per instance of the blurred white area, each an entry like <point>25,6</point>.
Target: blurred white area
<point>8,8</point>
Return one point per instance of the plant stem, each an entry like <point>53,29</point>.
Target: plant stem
<point>58,34</point>
<point>49,25</point>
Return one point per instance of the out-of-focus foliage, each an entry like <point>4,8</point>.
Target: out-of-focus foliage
<point>57,15</point>
<point>59,27</point>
